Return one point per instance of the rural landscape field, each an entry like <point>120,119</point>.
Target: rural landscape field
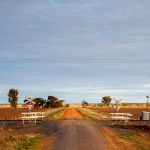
<point>73,128</point>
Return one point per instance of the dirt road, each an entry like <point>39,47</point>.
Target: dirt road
<point>74,133</point>
<point>71,113</point>
<point>79,135</point>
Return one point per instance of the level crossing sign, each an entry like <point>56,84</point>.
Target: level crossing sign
<point>117,104</point>
<point>29,103</point>
<point>30,106</point>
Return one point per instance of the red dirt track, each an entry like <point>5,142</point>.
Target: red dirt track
<point>71,113</point>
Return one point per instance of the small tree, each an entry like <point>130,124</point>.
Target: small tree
<point>13,97</point>
<point>84,103</point>
<point>67,105</point>
<point>106,100</point>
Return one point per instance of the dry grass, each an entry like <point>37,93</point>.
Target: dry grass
<point>20,142</point>
<point>89,114</point>
<point>54,114</point>
<point>141,140</point>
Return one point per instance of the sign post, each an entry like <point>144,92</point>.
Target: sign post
<point>117,104</point>
<point>29,103</point>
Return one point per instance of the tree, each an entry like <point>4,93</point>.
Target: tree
<point>47,104</point>
<point>39,102</point>
<point>13,97</point>
<point>53,102</point>
<point>60,103</point>
<point>84,103</point>
<point>67,105</point>
<point>106,100</point>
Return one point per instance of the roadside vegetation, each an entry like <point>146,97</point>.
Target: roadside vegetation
<point>140,139</point>
<point>88,114</point>
<point>38,102</point>
<point>22,142</point>
<point>51,102</point>
<point>54,114</point>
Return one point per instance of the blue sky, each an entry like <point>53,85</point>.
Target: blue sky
<point>73,37</point>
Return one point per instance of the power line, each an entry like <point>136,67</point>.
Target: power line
<point>77,60</point>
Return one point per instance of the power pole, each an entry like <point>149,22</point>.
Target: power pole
<point>147,100</point>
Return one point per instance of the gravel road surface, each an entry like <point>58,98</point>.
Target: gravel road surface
<point>79,135</point>
<point>73,132</point>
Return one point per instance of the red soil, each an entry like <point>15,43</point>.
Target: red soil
<point>71,113</point>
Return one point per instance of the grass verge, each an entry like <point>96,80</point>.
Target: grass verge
<point>55,114</point>
<point>87,114</point>
<point>141,140</point>
<point>22,142</point>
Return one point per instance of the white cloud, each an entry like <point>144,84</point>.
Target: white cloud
<point>147,85</point>
<point>75,89</point>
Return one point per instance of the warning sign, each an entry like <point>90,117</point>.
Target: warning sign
<point>30,106</point>
<point>117,104</point>
<point>29,103</point>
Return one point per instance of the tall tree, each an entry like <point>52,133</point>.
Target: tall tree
<point>13,97</point>
<point>51,102</point>
<point>106,100</point>
<point>54,102</point>
<point>39,102</point>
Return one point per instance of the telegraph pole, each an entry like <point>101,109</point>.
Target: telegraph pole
<point>147,100</point>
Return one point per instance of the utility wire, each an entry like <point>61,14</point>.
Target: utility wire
<point>77,60</point>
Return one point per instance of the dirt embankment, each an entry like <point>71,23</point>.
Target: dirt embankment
<point>114,142</point>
